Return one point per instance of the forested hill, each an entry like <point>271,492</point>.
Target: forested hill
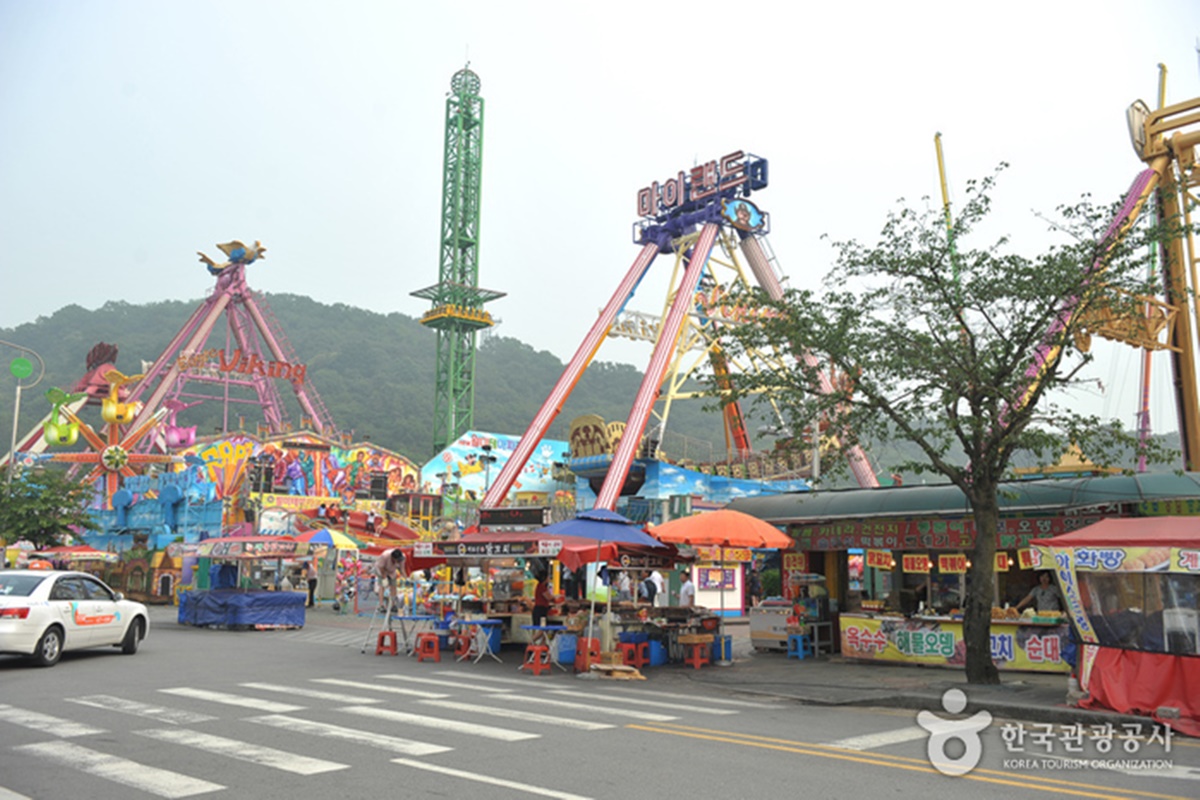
<point>374,372</point>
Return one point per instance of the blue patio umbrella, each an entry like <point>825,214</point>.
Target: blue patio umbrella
<point>602,525</point>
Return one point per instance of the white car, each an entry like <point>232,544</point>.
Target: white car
<point>44,613</point>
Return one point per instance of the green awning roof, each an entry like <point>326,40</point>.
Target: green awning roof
<point>1051,495</point>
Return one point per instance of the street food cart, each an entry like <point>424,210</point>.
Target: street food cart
<point>1132,587</point>
<point>231,602</point>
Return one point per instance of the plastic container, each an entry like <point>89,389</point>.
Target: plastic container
<point>658,653</point>
<point>566,644</point>
<point>722,648</point>
<point>632,637</point>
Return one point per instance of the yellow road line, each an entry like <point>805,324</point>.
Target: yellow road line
<point>899,762</point>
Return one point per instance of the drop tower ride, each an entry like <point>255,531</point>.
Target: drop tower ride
<point>458,313</point>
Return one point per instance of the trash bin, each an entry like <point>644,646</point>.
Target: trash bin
<point>722,648</point>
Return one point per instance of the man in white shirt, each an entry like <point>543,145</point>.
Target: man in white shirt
<point>387,566</point>
<point>687,590</point>
<point>660,588</point>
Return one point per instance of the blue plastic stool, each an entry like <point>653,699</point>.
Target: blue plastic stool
<point>800,646</point>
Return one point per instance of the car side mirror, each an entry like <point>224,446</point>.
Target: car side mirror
<point>118,596</point>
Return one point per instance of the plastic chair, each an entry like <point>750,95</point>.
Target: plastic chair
<point>800,646</point>
<point>698,653</point>
<point>428,646</point>
<point>537,659</point>
<point>635,654</point>
<point>386,643</point>
<point>587,652</point>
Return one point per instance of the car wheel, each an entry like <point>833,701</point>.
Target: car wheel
<point>49,648</point>
<point>133,637</point>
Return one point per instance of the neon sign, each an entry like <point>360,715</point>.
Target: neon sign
<point>713,178</point>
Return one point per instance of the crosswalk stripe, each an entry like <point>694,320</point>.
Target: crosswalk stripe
<point>8,794</point>
<point>380,741</point>
<point>524,716</point>
<point>244,751</point>
<point>454,726</point>
<point>175,716</point>
<point>160,782</point>
<point>640,701</point>
<point>648,716</point>
<point>435,682</point>
<point>316,694</point>
<point>474,776</point>
<point>882,739</point>
<point>522,682</point>
<point>233,699</point>
<point>55,726</point>
<point>377,688</point>
<point>679,696</point>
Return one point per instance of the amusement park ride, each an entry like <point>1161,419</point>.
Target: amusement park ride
<point>140,412</point>
<point>689,215</point>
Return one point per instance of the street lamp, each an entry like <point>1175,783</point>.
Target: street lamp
<point>488,459</point>
<point>21,368</point>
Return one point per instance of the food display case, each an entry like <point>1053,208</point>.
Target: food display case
<point>769,624</point>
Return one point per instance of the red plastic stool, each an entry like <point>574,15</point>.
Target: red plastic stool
<point>537,659</point>
<point>386,643</point>
<point>698,654</point>
<point>587,653</point>
<point>428,646</point>
<point>462,645</point>
<point>635,654</point>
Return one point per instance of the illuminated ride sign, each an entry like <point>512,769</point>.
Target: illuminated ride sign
<point>244,363</point>
<point>709,192</point>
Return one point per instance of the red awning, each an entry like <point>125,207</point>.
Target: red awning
<point>1132,532</point>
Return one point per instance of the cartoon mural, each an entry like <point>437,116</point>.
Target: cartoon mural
<point>463,465</point>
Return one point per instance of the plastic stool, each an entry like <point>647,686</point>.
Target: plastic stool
<point>698,654</point>
<point>800,646</point>
<point>635,654</point>
<point>386,643</point>
<point>428,646</point>
<point>587,652</point>
<point>537,659</point>
<point>462,645</point>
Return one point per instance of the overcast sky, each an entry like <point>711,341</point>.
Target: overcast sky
<point>136,133</point>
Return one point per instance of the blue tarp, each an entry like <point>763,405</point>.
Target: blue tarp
<point>231,608</point>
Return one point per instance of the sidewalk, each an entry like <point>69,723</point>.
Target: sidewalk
<point>827,680</point>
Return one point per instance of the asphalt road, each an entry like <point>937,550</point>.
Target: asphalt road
<point>306,714</point>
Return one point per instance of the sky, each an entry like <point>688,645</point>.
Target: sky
<point>137,133</point>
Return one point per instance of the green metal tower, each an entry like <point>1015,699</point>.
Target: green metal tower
<point>458,312</point>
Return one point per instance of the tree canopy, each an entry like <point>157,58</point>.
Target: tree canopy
<point>43,506</point>
<point>964,352</point>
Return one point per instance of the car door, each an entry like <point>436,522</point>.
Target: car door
<point>68,597</point>
<point>104,621</point>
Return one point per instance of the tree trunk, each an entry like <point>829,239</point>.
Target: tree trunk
<point>981,582</point>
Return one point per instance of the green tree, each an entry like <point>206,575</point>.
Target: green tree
<point>43,506</point>
<point>934,345</point>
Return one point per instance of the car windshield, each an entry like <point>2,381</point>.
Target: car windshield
<point>18,584</point>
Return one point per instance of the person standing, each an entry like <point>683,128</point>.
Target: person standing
<point>387,566</point>
<point>660,588</point>
<point>1045,596</point>
<point>753,586</point>
<point>310,574</point>
<point>541,600</point>
<point>687,590</point>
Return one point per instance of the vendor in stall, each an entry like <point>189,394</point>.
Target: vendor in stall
<point>1045,596</point>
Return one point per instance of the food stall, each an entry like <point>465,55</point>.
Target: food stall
<point>774,618</point>
<point>232,601</point>
<point>922,623</point>
<point>1132,588</point>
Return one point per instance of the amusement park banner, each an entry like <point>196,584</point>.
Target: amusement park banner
<point>1029,647</point>
<point>932,534</point>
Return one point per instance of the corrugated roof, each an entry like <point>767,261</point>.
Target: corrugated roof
<point>1016,497</point>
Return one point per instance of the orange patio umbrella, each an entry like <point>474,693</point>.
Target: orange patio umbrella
<point>722,528</point>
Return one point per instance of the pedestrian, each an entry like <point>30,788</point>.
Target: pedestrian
<point>541,599</point>
<point>387,566</point>
<point>687,590</point>
<point>753,586</point>
<point>322,512</point>
<point>624,588</point>
<point>310,574</point>
<point>647,590</point>
<point>371,521</point>
<point>660,588</point>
